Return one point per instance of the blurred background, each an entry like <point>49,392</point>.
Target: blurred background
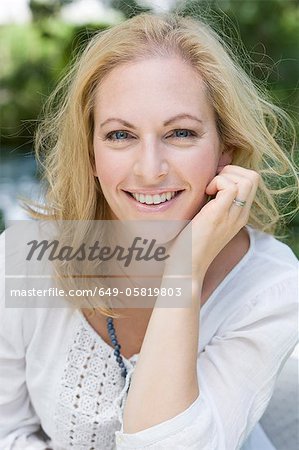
<point>40,37</point>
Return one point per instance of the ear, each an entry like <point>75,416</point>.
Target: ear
<point>225,158</point>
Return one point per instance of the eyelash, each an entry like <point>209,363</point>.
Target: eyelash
<point>109,138</point>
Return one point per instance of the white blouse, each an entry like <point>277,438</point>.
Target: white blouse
<point>61,387</point>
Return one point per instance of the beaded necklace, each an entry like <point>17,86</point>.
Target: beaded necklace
<point>116,345</point>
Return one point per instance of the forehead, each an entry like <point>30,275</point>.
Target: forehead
<point>146,87</point>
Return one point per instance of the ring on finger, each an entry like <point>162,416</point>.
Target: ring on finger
<point>239,202</point>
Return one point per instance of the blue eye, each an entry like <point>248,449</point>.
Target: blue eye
<point>121,135</point>
<point>182,133</point>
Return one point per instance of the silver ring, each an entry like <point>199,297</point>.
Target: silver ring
<point>239,202</point>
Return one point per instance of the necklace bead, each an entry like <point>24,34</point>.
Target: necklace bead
<point>116,345</point>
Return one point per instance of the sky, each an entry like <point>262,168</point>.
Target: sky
<point>14,11</point>
<point>81,11</point>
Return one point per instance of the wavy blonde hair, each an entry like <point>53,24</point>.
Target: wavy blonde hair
<point>246,120</point>
<point>262,134</point>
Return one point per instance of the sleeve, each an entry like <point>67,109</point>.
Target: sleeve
<point>19,425</point>
<point>237,371</point>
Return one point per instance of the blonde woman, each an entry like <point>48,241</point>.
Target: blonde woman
<point>157,121</point>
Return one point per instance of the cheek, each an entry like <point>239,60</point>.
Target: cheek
<point>109,168</point>
<point>201,171</point>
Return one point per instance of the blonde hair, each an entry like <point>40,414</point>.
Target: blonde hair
<point>261,134</point>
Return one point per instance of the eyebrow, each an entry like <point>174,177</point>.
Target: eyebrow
<point>167,122</point>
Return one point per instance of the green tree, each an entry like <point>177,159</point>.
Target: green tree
<point>129,8</point>
<point>42,9</point>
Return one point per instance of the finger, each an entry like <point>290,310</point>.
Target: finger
<point>247,187</point>
<point>225,189</point>
<point>248,173</point>
<point>246,193</point>
<point>246,182</point>
<point>239,212</point>
<point>243,174</point>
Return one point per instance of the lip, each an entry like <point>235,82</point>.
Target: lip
<point>154,192</point>
<point>143,207</point>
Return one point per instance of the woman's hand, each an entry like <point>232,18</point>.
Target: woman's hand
<point>220,219</point>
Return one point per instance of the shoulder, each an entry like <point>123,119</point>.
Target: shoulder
<point>265,278</point>
<point>275,280</point>
<point>265,283</point>
<point>271,248</point>
<point>270,259</point>
<point>268,262</point>
<point>22,314</point>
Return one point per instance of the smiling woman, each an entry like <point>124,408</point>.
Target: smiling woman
<point>157,123</point>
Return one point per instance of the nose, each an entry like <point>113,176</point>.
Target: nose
<point>150,163</point>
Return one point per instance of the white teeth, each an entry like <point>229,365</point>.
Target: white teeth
<point>155,199</point>
<point>148,199</point>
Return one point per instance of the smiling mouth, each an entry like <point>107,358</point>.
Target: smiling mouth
<point>154,200</point>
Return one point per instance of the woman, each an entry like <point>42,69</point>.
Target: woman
<point>156,120</point>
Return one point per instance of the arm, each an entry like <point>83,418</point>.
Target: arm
<point>169,352</point>
<point>237,371</point>
<point>165,377</point>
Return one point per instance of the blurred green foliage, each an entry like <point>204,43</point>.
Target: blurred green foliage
<point>269,30</point>
<point>41,9</point>
<point>32,60</point>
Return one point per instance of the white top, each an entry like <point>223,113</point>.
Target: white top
<point>58,373</point>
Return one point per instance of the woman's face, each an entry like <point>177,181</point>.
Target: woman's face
<point>155,140</point>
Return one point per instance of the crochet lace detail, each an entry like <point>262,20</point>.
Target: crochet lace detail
<point>88,409</point>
